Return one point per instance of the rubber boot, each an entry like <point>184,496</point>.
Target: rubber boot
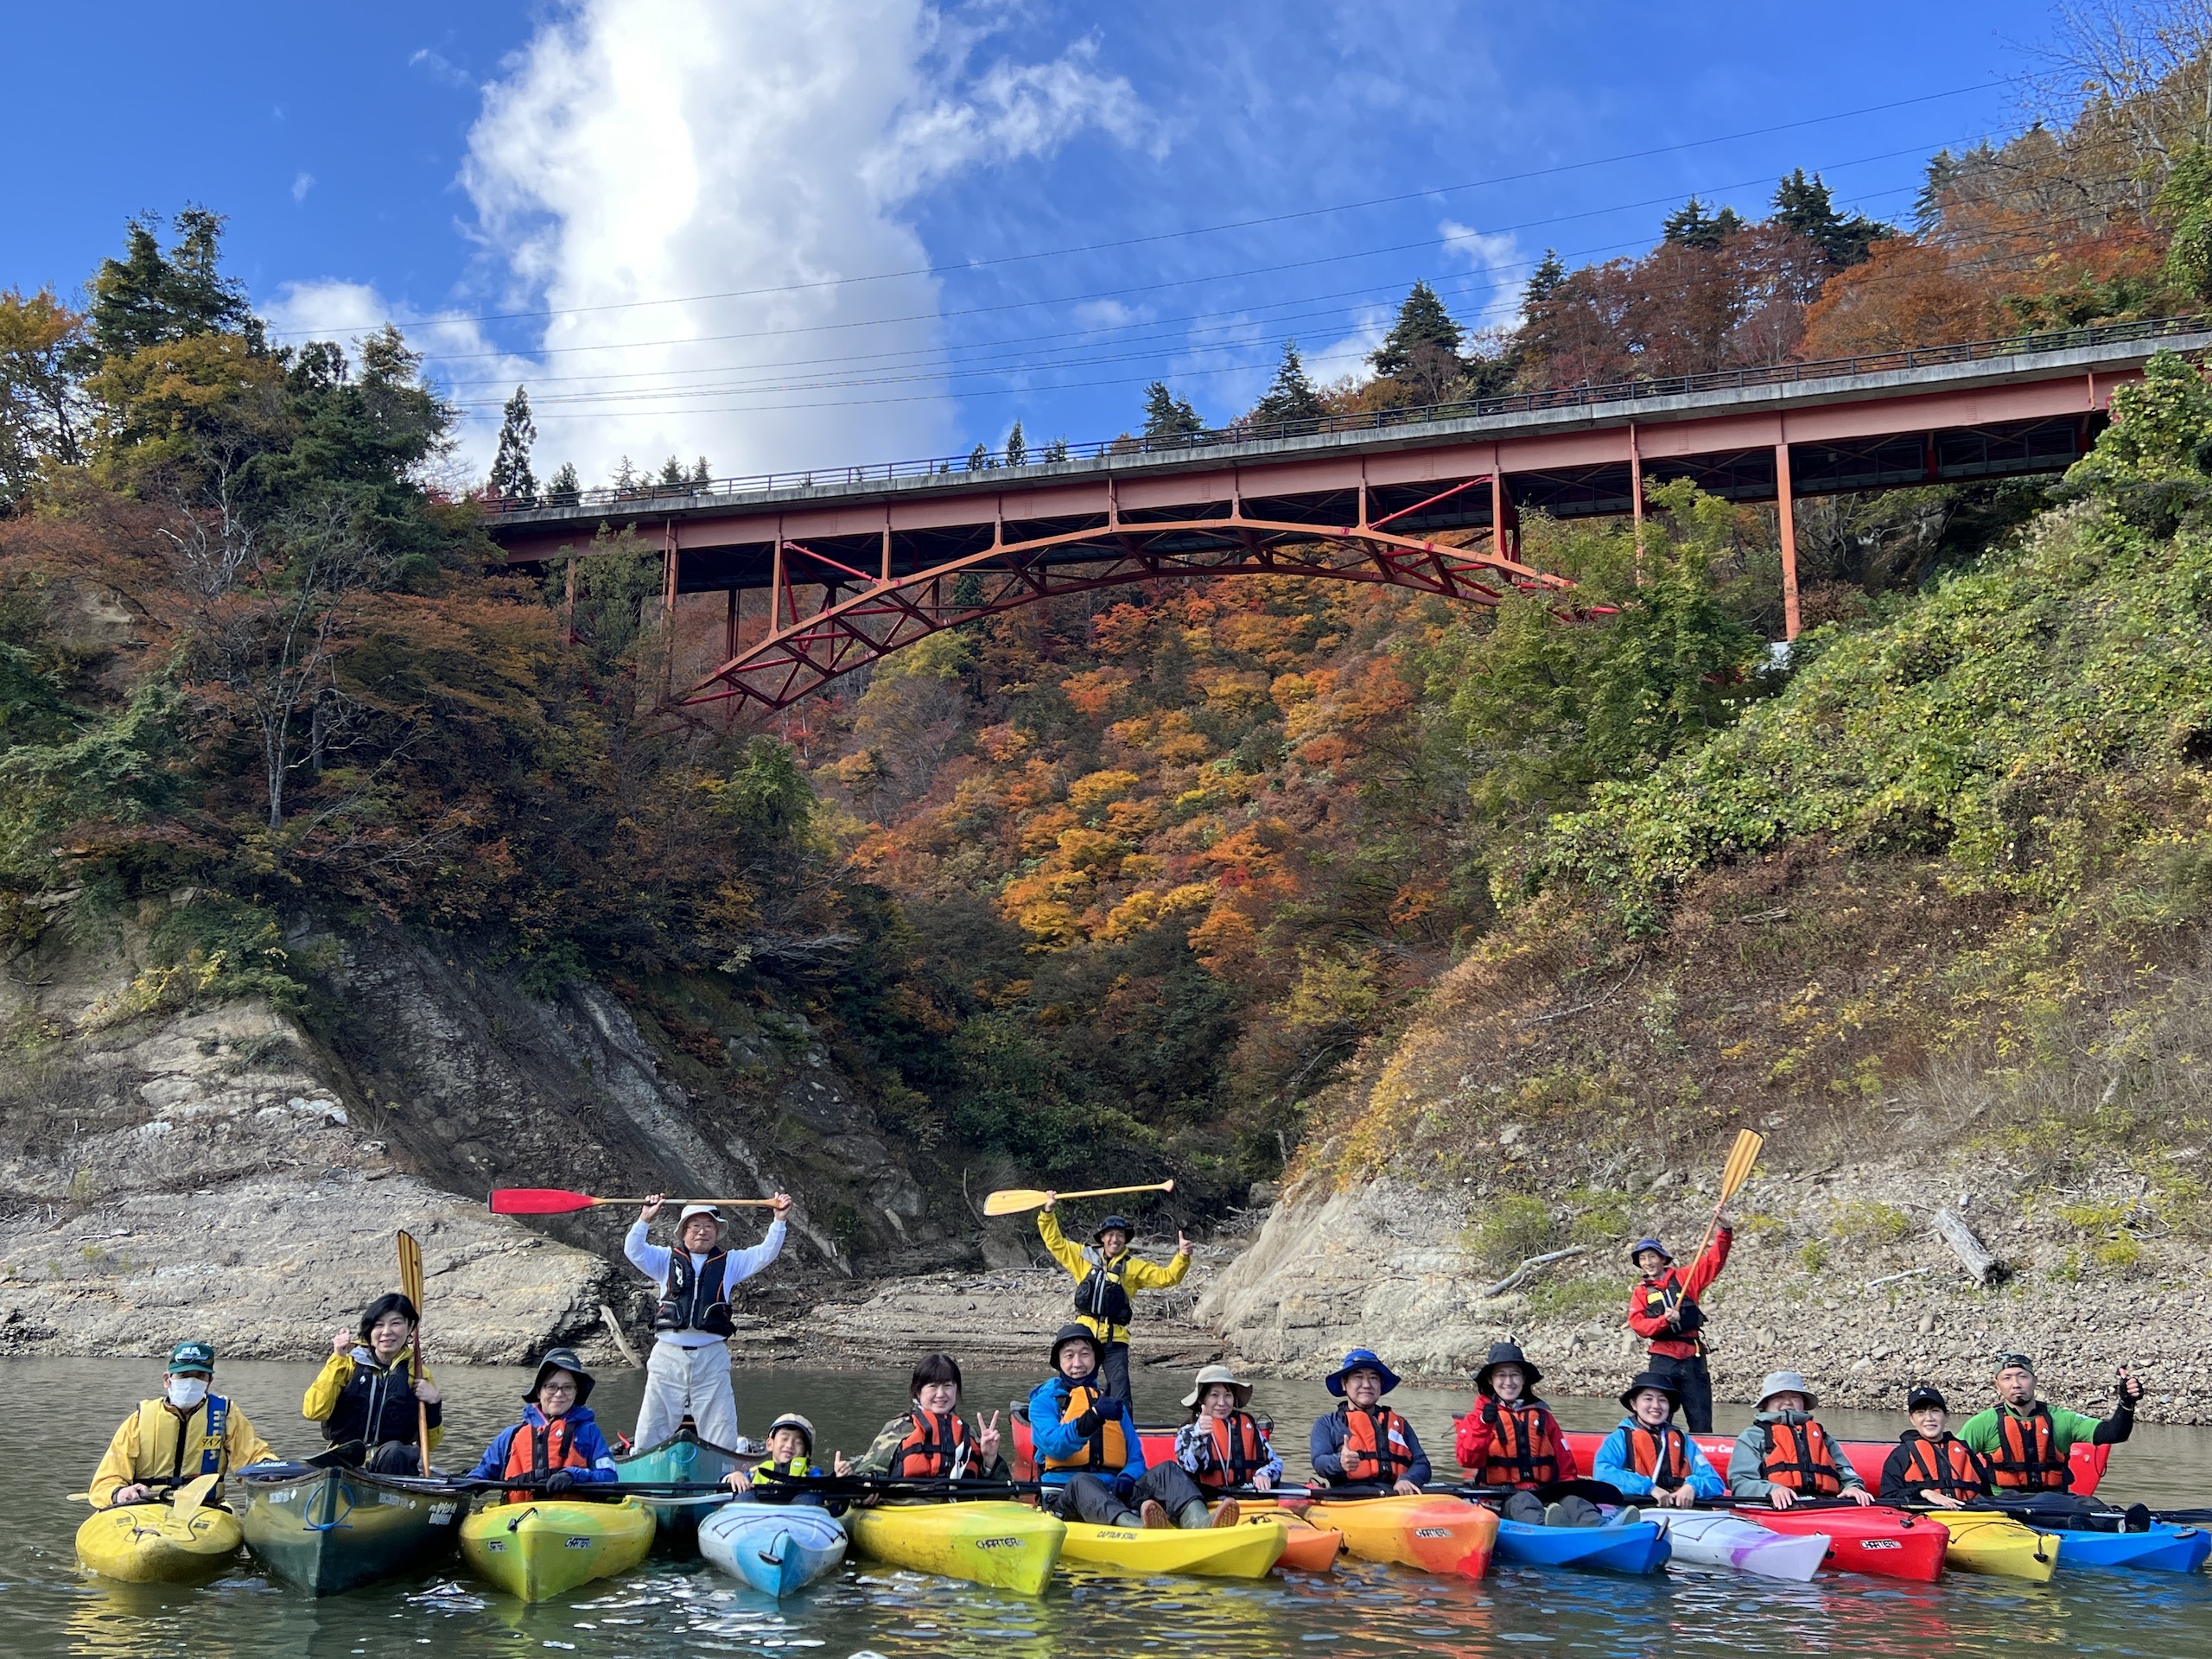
<point>1554,1514</point>
<point>1129,1520</point>
<point>1154,1514</point>
<point>1229,1514</point>
<point>1193,1515</point>
<point>1627,1515</point>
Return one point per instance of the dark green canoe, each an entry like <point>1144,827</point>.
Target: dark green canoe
<point>327,1530</point>
<point>683,1457</point>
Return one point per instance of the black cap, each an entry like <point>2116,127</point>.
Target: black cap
<point>1111,1222</point>
<point>1926,1394</point>
<point>1507,1353</point>
<point>1078,1333</point>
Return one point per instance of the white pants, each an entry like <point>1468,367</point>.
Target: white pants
<point>694,1381</point>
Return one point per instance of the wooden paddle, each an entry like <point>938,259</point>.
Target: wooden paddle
<point>1015,1199</point>
<point>1733,1174</point>
<point>559,1201</point>
<point>411,1287</point>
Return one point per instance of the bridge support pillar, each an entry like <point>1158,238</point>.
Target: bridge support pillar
<point>1786,520</point>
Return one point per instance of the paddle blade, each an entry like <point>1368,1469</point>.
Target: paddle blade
<point>192,1495</point>
<point>1013,1201</point>
<point>411,1270</point>
<point>538,1201</point>
<point>1741,1157</point>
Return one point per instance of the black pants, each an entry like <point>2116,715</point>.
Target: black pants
<point>1114,1370</point>
<point>1694,1384</point>
<point>2071,1511</point>
<point>1092,1498</point>
<point>394,1458</point>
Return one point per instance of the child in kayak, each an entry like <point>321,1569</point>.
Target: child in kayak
<point>1091,1459</point>
<point>1647,1456</point>
<point>1929,1464</point>
<point>1223,1445</point>
<point>1785,1455</point>
<point>366,1393</point>
<point>557,1444</point>
<point>1663,1310</point>
<point>1105,1274</point>
<point>1511,1439</point>
<point>929,1440</point>
<point>186,1433</point>
<point>1363,1442</point>
<point>790,1456</point>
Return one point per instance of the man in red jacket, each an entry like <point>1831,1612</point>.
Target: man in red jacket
<point>1664,1309</point>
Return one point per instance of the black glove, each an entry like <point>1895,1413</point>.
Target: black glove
<point>560,1481</point>
<point>1087,1424</point>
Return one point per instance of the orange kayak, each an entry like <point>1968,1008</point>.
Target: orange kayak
<point>1307,1548</point>
<point>1437,1534</point>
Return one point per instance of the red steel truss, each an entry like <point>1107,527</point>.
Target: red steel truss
<point>799,654</point>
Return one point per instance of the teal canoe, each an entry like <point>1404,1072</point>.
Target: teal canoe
<point>683,1459</point>
<point>328,1530</point>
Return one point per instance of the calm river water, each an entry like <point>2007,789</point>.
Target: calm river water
<point>65,1409</point>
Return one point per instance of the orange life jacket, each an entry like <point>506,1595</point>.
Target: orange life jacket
<point>933,1445</point>
<point>1947,1465</point>
<point>1239,1451</point>
<point>538,1449</point>
<point>1378,1446</point>
<point>1661,1455</point>
<point>1797,1457</point>
<point>1524,1445</point>
<point>2027,1458</point>
<point>1107,1449</point>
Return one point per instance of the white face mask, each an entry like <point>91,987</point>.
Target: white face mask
<point>185,1392</point>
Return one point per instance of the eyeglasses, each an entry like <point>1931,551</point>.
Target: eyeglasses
<point>556,1388</point>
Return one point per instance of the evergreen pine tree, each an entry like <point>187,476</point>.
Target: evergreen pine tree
<point>147,297</point>
<point>702,474</point>
<point>1292,397</point>
<point>1168,419</point>
<point>1422,323</point>
<point>1056,450</point>
<point>672,473</point>
<point>1804,206</point>
<point>1544,282</point>
<point>1017,447</point>
<point>1691,226</point>
<point>626,475</point>
<point>512,478</point>
<point>565,489</point>
<point>979,459</point>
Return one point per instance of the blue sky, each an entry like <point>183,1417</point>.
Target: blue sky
<point>859,230</point>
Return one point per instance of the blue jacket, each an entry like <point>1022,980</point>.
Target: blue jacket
<point>1325,1447</point>
<point>1615,1467</point>
<point>1048,1403</point>
<point>591,1445</point>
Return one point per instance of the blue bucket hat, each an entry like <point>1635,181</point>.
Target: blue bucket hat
<point>1360,1359</point>
<point>1643,1244</point>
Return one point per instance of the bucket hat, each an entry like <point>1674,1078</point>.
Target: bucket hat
<point>561,1359</point>
<point>1643,1244</point>
<point>1643,1380</point>
<point>1209,1375</point>
<point>1078,1333</point>
<point>1359,1359</point>
<point>1506,1353</point>
<point>1786,1383</point>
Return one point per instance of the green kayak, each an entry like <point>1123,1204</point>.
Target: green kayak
<point>683,1459</point>
<point>329,1530</point>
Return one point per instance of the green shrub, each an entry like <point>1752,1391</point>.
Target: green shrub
<point>1563,1298</point>
<point>1872,1220</point>
<point>1508,1232</point>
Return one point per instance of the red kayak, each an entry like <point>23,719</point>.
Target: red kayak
<point>1867,1457</point>
<point>1888,1543</point>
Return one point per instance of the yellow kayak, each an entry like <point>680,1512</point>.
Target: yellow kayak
<point>147,1543</point>
<point>1010,1546</point>
<point>1248,1550</point>
<point>1985,1542</point>
<point>543,1548</point>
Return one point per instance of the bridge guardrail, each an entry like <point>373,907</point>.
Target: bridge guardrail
<point>649,498</point>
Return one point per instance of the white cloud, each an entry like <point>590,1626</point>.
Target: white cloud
<point>439,68</point>
<point>1498,256</point>
<point>301,183</point>
<point>637,151</point>
<point>1110,313</point>
<point>1348,354</point>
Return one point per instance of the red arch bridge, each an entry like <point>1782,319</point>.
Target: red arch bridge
<point>851,565</point>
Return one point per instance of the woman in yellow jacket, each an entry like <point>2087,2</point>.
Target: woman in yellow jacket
<point>1105,1272</point>
<point>364,1396</point>
<point>186,1433</point>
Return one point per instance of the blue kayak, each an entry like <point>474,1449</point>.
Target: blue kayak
<point>1642,1548</point>
<point>777,1548</point>
<point>2165,1549</point>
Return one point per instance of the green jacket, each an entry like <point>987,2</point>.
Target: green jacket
<point>2068,1429</point>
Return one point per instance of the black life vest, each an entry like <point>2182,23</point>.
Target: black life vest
<point>1378,1444</point>
<point>1101,1295</point>
<point>933,1447</point>
<point>1524,1445</point>
<point>693,1298</point>
<point>1668,1291</point>
<point>1948,1466</point>
<point>2027,1458</point>
<point>377,1405</point>
<point>1661,1455</point>
<point>1797,1457</point>
<point>1236,1449</point>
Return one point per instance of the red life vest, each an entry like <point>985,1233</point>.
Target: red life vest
<point>933,1445</point>
<point>1661,1455</point>
<point>1797,1457</point>
<point>2027,1458</point>
<point>538,1449</point>
<point>1946,1466</point>
<point>1239,1451</point>
<point>1524,1445</point>
<point>1378,1444</point>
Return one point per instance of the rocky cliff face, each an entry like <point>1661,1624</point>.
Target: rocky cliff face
<point>237,1172</point>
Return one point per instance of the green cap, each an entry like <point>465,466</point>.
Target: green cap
<point>194,1357</point>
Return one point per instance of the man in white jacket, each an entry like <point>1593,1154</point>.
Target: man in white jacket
<point>688,1372</point>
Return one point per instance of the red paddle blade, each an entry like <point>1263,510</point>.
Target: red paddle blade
<point>538,1201</point>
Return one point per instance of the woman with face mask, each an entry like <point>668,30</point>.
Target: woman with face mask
<point>186,1433</point>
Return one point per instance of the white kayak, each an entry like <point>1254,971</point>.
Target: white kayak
<point>1709,1538</point>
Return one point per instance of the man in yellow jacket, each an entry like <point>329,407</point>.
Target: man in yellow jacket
<point>1105,1272</point>
<point>186,1433</point>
